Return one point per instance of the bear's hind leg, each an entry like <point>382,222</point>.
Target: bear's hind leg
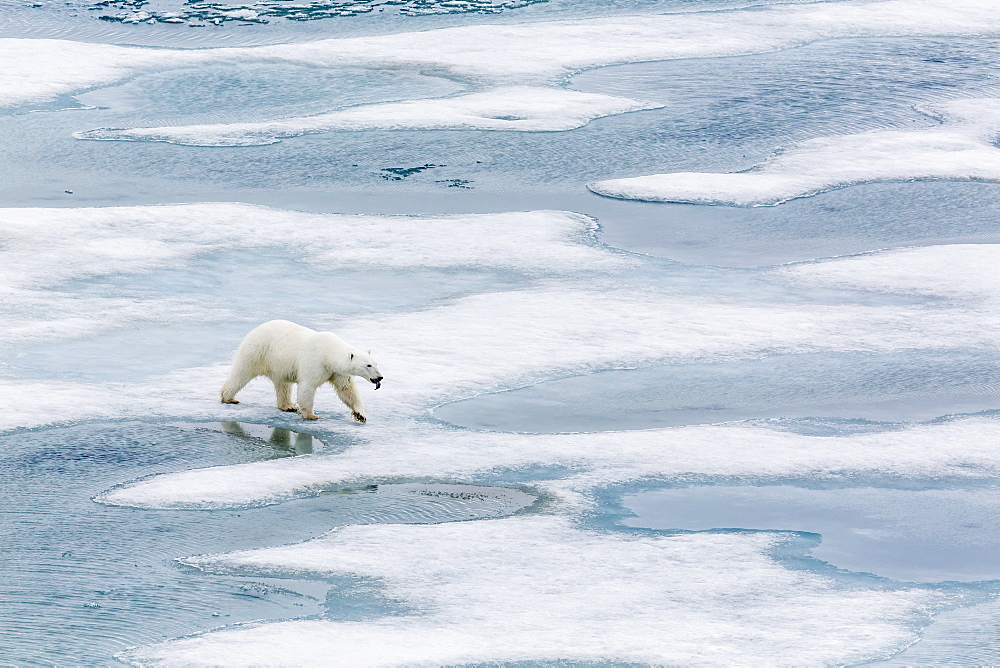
<point>238,379</point>
<point>348,393</point>
<point>283,394</point>
<point>306,396</point>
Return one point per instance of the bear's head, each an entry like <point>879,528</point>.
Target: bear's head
<point>363,365</point>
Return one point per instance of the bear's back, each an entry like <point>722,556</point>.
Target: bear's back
<point>272,349</point>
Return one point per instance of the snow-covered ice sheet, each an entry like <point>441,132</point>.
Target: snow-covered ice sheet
<point>539,588</point>
<point>502,340</point>
<point>44,250</point>
<point>533,53</point>
<point>482,342</point>
<point>43,247</point>
<point>959,271</point>
<point>960,148</point>
<point>525,109</point>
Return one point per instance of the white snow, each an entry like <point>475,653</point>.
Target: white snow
<point>44,247</point>
<point>524,109</point>
<point>959,271</point>
<point>37,70</point>
<point>960,148</point>
<point>539,588</point>
<point>513,54</point>
<point>42,250</point>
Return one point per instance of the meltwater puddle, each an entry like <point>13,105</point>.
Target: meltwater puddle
<point>891,387</point>
<point>82,581</point>
<point>912,534</point>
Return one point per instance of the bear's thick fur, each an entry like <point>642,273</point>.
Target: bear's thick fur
<point>289,353</point>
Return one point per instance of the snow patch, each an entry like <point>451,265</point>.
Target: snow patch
<point>42,250</point>
<point>959,271</point>
<point>541,589</point>
<point>961,149</point>
<point>524,109</point>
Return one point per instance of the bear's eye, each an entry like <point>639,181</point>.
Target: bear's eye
<point>369,366</point>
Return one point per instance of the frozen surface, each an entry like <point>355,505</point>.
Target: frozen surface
<point>523,109</point>
<point>960,449</point>
<point>584,604</point>
<point>865,368</point>
<point>839,222</point>
<point>834,387</point>
<point>952,272</point>
<point>46,249</point>
<point>39,70</point>
<point>719,115</point>
<point>81,583</point>
<point>921,534</point>
<point>961,148</point>
<point>966,636</point>
<point>80,243</point>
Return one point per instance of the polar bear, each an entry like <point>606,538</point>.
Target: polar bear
<point>289,353</point>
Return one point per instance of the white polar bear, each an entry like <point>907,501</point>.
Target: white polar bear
<point>288,353</point>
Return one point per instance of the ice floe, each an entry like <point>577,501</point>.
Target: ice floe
<point>525,109</point>
<point>530,53</point>
<point>541,589</point>
<point>44,250</point>
<point>44,247</point>
<point>497,341</point>
<point>960,148</point>
<point>959,271</point>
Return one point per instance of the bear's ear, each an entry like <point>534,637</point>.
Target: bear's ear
<point>352,355</point>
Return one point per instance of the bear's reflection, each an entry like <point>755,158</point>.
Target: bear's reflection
<point>285,439</point>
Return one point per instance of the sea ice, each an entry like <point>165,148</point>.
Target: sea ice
<point>522,109</point>
<point>44,250</point>
<point>960,449</point>
<point>45,247</point>
<point>539,588</point>
<point>958,271</point>
<point>961,148</point>
<point>530,53</point>
<point>503,340</point>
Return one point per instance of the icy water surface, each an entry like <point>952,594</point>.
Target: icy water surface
<point>82,581</point>
<point>923,534</point>
<point>895,388</point>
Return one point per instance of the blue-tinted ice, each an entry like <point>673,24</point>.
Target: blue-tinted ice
<point>82,580</point>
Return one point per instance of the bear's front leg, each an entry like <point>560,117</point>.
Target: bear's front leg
<point>348,393</point>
